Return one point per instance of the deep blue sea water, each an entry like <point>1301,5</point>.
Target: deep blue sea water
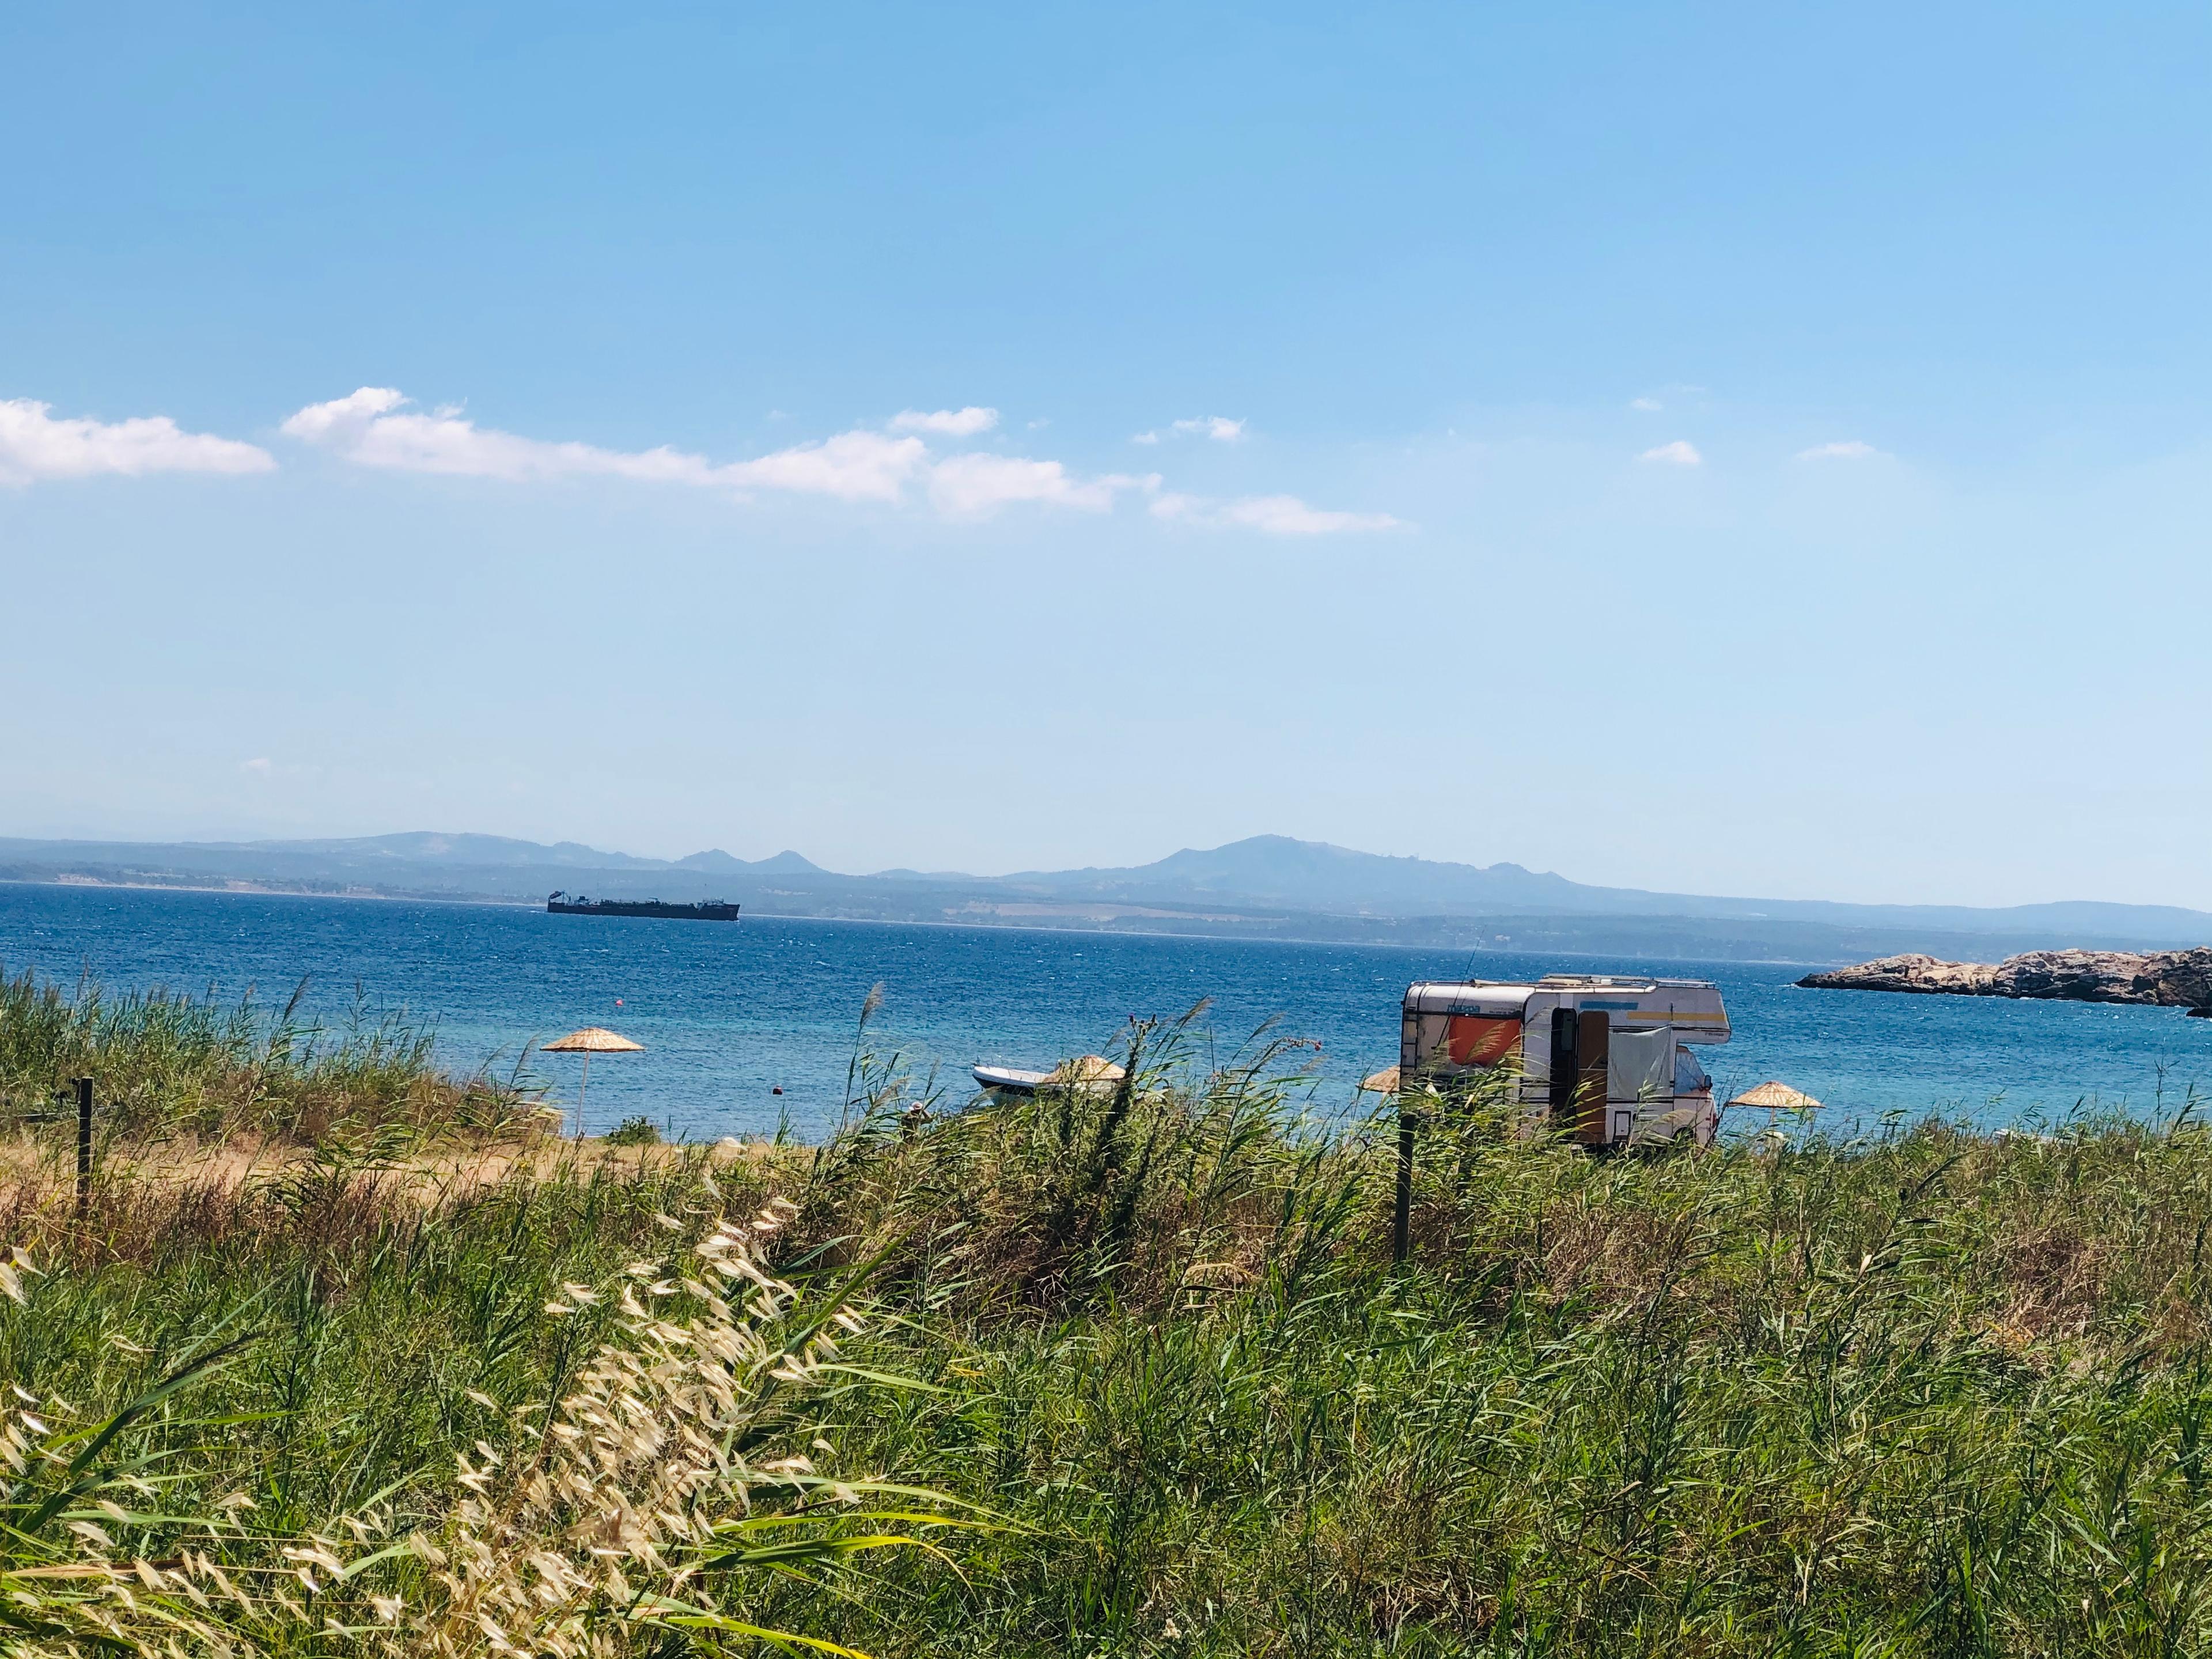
<point>728,1013</point>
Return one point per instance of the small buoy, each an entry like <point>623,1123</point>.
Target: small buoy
<point>777,1090</point>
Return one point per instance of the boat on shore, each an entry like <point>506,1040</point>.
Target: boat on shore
<point>1012,1079</point>
<point>566,904</point>
<point>1085,1071</point>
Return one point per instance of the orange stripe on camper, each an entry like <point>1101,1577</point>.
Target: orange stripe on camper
<point>1476,1040</point>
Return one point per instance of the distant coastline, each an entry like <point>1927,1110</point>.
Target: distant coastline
<point>246,889</point>
<point>1593,939</point>
<point>951,923</point>
<point>1268,887</point>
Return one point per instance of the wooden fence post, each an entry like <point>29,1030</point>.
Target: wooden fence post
<point>1401,1222</point>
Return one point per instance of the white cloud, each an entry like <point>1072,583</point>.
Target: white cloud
<point>375,426</point>
<point>853,466</point>
<point>1851,450</point>
<point>34,445</point>
<point>1219,427</point>
<point>1286,515</point>
<point>1273,515</point>
<point>1646,406</point>
<point>1677,454</point>
<point>259,763</point>
<point>371,429</point>
<point>973,485</point>
<point>950,422</point>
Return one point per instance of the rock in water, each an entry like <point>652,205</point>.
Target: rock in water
<point>1911,972</point>
<point>2173,978</point>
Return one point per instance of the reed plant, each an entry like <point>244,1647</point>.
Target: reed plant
<point>176,1065</point>
<point>1936,1392</point>
<point>611,1519</point>
<point>1137,1364</point>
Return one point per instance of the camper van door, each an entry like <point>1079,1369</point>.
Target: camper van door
<point>1639,1077</point>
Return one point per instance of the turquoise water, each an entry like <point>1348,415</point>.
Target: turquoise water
<point>730,1013</point>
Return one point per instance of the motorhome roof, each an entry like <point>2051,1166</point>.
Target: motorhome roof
<point>1692,1006</point>
<point>1525,988</point>
<point>1520,990</point>
<point>1580,982</point>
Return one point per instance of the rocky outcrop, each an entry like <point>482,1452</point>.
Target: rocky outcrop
<point>1911,973</point>
<point>2173,978</point>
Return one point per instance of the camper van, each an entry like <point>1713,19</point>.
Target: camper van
<point>1606,1061</point>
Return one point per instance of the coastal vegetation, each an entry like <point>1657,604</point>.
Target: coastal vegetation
<point>339,1355</point>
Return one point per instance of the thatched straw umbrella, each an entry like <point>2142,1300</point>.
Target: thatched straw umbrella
<point>1083,1072</point>
<point>592,1040</point>
<point>1777,1097</point>
<point>1384,1082</point>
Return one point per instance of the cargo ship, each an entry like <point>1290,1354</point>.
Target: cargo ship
<point>565,904</point>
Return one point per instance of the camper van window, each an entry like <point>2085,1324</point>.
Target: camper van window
<point>1690,1078</point>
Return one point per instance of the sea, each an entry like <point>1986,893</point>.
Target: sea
<point>750,1029</point>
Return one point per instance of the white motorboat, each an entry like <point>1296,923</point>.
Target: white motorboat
<point>1009,1079</point>
<point>1083,1072</point>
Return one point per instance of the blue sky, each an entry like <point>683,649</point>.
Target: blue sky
<point>1742,449</point>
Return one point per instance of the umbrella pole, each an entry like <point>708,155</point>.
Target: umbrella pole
<point>583,1084</point>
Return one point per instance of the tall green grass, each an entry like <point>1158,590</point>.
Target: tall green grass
<point>174,1063</point>
<point>1935,1392</point>
<point>1938,1392</point>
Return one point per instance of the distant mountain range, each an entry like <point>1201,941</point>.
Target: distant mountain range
<point>1267,886</point>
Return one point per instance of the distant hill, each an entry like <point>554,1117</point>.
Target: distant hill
<point>473,852</point>
<point>401,861</point>
<point>1314,875</point>
<point>785,862</point>
<point>1264,887</point>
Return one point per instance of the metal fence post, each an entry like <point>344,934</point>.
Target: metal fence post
<point>83,1143</point>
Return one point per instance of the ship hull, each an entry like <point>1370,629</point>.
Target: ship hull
<point>652,908</point>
